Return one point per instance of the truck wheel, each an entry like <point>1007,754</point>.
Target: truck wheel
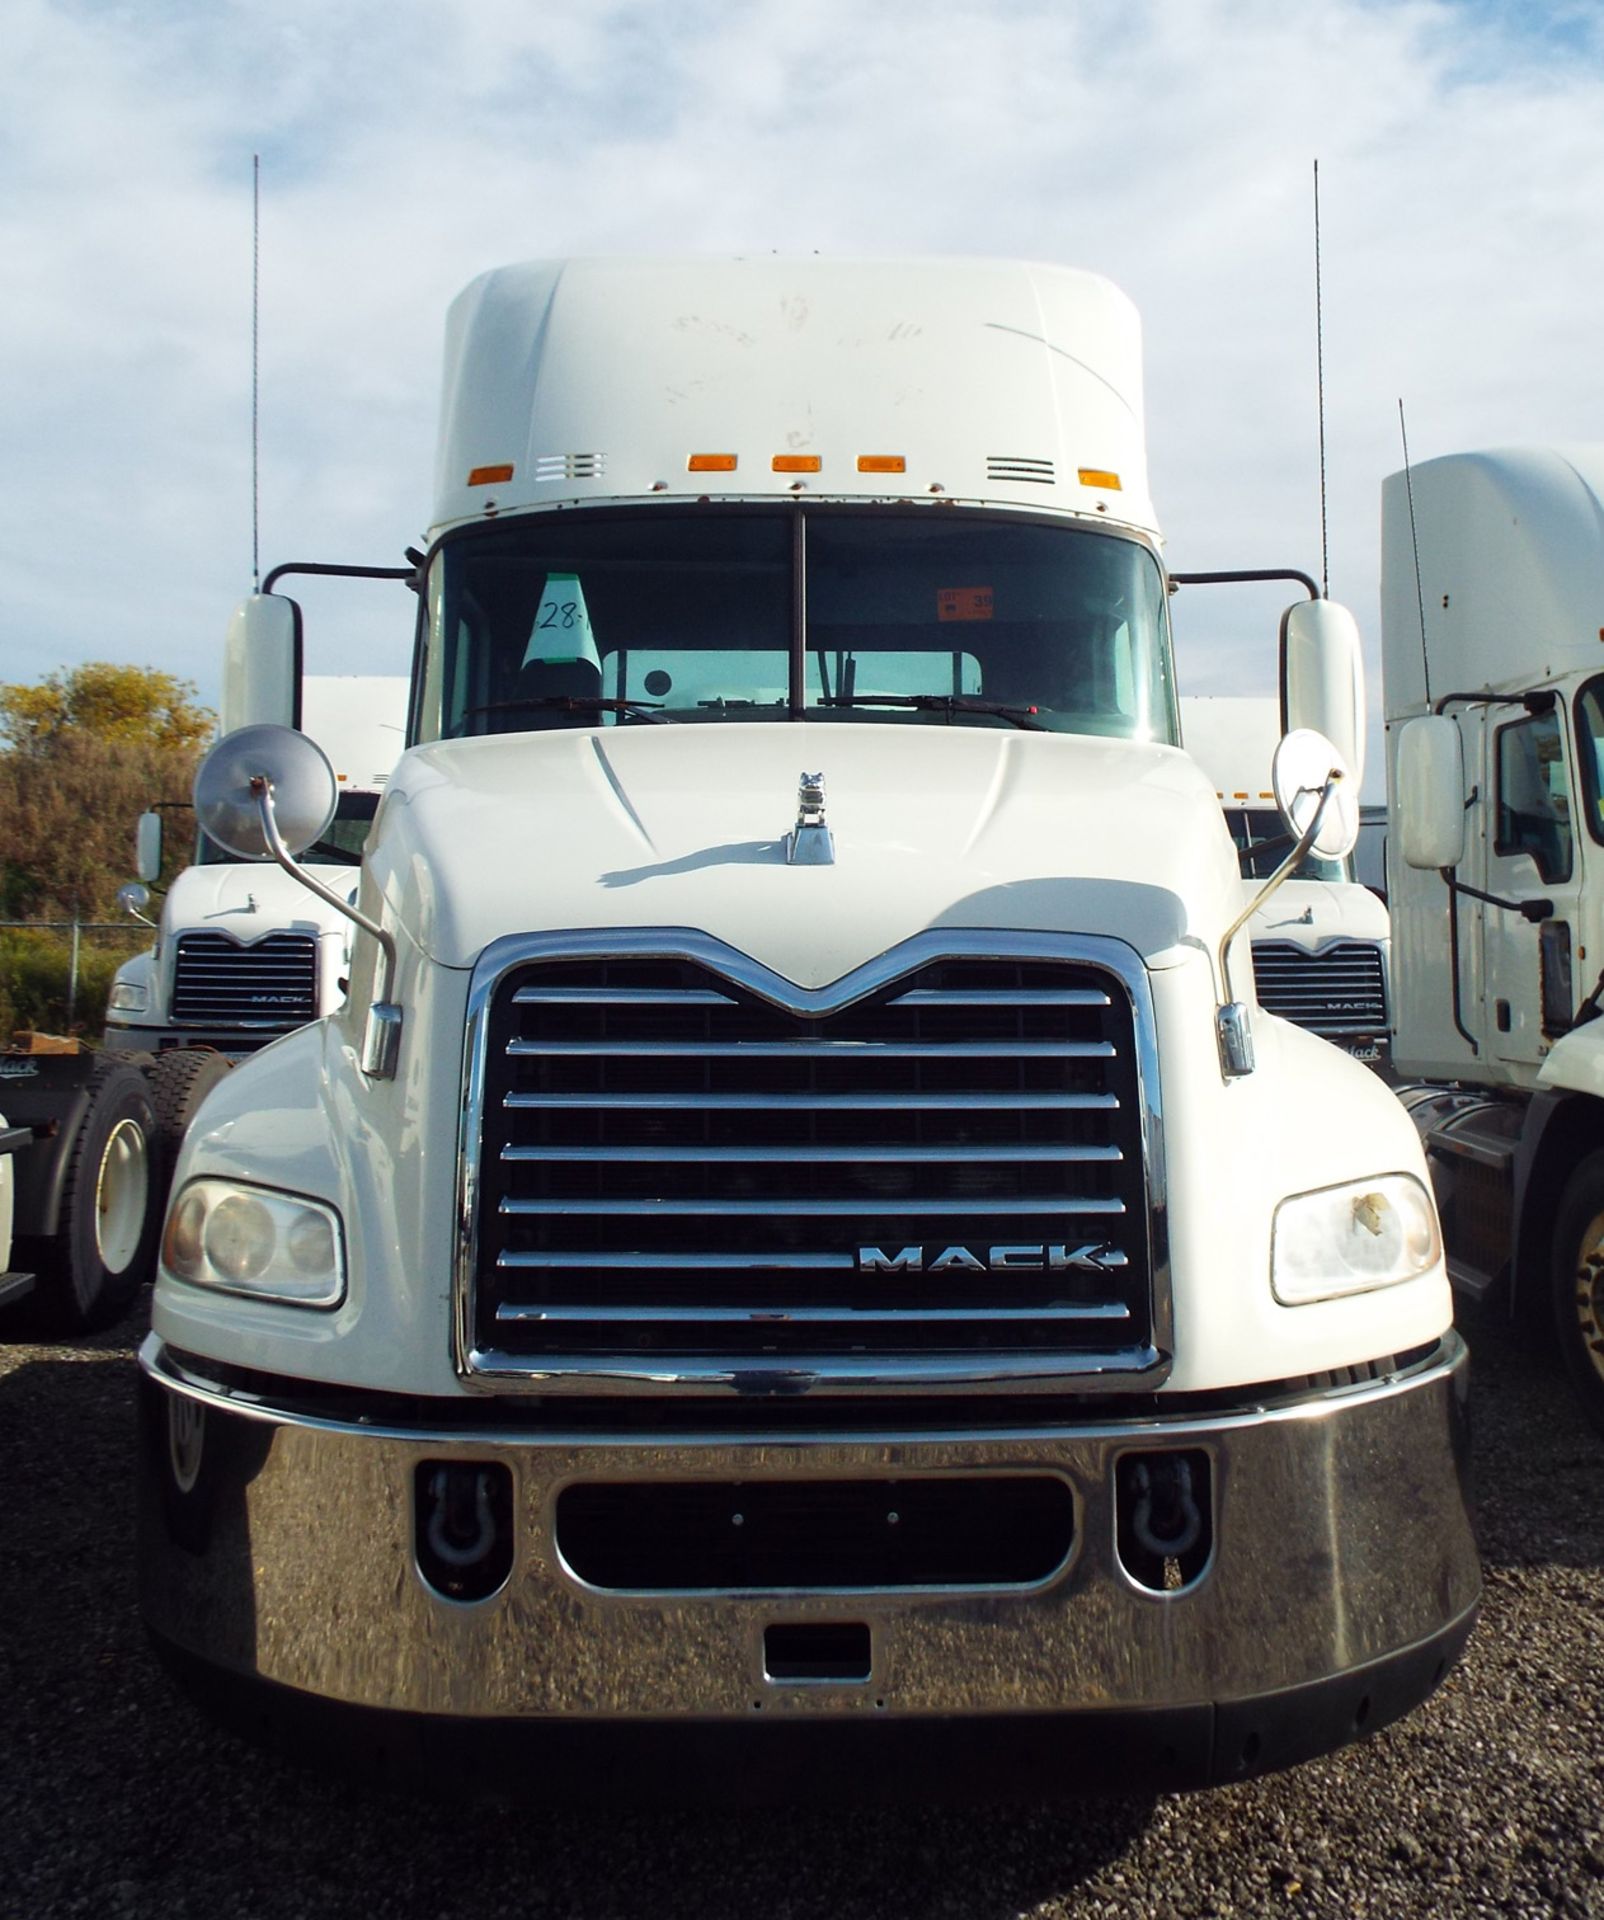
<point>105,1245</point>
<point>179,1081</point>
<point>1579,1283</point>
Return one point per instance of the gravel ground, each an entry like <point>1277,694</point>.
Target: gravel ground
<point>117,1798</point>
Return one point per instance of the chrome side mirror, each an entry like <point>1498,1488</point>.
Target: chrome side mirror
<point>134,899</point>
<point>266,793</point>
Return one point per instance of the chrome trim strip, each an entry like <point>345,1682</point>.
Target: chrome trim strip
<point>845,1374</point>
<point>1102,1310</point>
<point>687,1262</point>
<point>1007,1153</point>
<point>815,1209</point>
<point>1160,1427</point>
<point>813,1049</point>
<point>827,1102</point>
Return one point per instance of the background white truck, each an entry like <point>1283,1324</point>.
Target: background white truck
<point>799,1242</point>
<point>242,952</point>
<point>1493,635</point>
<point>1320,942</point>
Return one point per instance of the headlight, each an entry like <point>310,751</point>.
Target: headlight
<point>126,998</point>
<point>1352,1239</point>
<point>248,1240</point>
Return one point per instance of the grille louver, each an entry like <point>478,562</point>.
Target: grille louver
<point>675,1173</point>
<point>1338,989</point>
<point>570,466</point>
<point>270,983</point>
<point>1005,466</point>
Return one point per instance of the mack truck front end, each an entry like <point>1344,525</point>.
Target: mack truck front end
<point>799,1240</point>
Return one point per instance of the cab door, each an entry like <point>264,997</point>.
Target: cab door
<point>1531,854</point>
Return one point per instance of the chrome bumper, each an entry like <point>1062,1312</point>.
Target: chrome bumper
<point>283,1548</point>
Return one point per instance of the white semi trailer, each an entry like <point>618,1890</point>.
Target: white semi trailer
<point>1493,633</point>
<point>799,1241</point>
<point>1320,941</point>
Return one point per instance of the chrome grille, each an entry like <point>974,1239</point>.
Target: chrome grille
<point>670,1169</point>
<point>271,982</point>
<point>1337,989</point>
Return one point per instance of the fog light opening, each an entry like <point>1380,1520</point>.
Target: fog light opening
<point>1164,1518</point>
<point>463,1535</point>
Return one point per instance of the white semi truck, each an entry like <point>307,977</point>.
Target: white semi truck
<point>799,1243</point>
<point>243,953</point>
<point>1493,632</point>
<point>1320,941</point>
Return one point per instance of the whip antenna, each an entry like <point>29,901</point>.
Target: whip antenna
<point>256,311</point>
<point>1414,541</point>
<point>1320,389</point>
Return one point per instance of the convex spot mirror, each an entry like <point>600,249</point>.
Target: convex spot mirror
<point>1430,784</point>
<point>1304,762</point>
<point>304,791</point>
<point>134,898</point>
<point>1322,678</point>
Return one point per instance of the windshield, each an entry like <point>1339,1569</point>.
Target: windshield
<point>1263,842</point>
<point>341,844</point>
<point>933,616</point>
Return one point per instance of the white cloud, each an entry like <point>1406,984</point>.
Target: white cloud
<point>406,146</point>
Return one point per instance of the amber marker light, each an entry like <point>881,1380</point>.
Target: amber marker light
<point>797,463</point>
<point>710,463</point>
<point>490,476</point>
<point>1099,477</point>
<point>882,463</point>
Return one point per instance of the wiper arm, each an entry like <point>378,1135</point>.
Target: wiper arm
<point>947,703</point>
<point>574,703</point>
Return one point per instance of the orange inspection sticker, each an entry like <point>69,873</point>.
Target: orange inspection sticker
<point>963,603</point>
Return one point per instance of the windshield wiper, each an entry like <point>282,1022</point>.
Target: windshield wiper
<point>574,703</point>
<point>947,703</point>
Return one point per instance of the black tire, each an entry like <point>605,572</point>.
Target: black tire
<point>105,1244</point>
<point>179,1081</point>
<point>1578,1292</point>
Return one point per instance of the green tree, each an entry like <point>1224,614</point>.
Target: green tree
<point>87,751</point>
<point>134,706</point>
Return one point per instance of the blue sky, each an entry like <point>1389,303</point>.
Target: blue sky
<point>408,145</point>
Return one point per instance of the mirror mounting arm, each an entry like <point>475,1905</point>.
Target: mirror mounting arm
<point>1231,1017</point>
<point>381,1040</point>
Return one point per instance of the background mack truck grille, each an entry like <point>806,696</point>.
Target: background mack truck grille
<point>1340,989</point>
<point>270,982</point>
<point>670,1165</point>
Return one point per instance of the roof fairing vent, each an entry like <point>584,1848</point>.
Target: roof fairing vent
<point>1018,467</point>
<point>570,466</point>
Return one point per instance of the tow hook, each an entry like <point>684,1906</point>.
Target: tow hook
<point>1163,1517</point>
<point>463,1527</point>
<point>1178,1523</point>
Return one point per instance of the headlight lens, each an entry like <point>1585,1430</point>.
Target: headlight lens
<point>126,998</point>
<point>1352,1239</point>
<point>242,1239</point>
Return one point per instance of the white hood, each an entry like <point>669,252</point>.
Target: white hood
<point>1310,913</point>
<point>249,899</point>
<point>681,826</point>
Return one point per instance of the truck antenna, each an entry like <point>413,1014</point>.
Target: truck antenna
<point>256,310</point>
<point>1414,541</point>
<point>1320,390</point>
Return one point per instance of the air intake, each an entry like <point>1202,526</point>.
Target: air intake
<point>1018,468</point>
<point>570,466</point>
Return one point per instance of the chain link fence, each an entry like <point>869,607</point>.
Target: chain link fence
<point>55,974</point>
